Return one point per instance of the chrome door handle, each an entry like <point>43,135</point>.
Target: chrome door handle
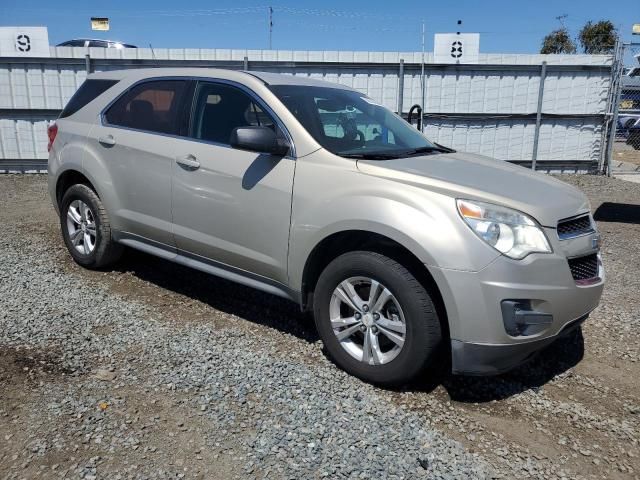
<point>108,141</point>
<point>188,162</point>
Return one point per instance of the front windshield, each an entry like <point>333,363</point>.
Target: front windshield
<point>350,124</point>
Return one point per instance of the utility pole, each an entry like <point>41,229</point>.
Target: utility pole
<point>562,18</point>
<point>270,26</point>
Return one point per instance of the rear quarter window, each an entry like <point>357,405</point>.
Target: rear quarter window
<point>87,92</point>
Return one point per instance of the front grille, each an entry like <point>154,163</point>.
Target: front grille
<point>574,227</point>
<point>583,268</point>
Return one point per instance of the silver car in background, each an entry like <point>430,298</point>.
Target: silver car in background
<point>95,43</point>
<point>409,254</point>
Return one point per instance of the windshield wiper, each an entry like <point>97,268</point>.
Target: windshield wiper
<point>438,148</point>
<point>372,156</point>
<point>401,154</point>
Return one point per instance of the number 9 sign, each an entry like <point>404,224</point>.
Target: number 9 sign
<point>23,43</point>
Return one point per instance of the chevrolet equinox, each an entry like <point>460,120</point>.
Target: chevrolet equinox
<point>409,254</point>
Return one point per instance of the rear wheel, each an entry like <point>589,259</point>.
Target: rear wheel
<point>375,319</point>
<point>86,229</point>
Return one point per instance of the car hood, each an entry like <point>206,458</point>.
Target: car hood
<point>466,175</point>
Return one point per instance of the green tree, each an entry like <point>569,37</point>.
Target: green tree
<point>599,37</point>
<point>558,41</point>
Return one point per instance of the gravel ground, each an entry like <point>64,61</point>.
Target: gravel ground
<point>152,370</point>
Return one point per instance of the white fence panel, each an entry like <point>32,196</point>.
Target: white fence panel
<point>485,108</point>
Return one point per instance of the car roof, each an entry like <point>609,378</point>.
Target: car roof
<point>280,79</point>
<point>267,78</point>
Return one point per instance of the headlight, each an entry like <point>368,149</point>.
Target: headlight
<point>508,231</point>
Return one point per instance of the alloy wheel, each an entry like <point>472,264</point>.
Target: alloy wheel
<point>367,320</point>
<point>81,226</point>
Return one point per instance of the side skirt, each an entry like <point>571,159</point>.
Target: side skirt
<point>206,265</point>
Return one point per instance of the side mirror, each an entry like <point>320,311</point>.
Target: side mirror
<point>258,139</point>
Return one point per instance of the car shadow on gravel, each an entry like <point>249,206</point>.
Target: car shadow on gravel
<point>554,360</point>
<point>618,213</point>
<point>222,295</point>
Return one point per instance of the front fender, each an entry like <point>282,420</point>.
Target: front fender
<point>424,222</point>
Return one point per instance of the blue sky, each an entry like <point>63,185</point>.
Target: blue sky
<point>506,26</point>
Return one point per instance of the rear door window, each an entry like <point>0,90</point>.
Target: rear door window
<point>87,92</point>
<point>153,106</point>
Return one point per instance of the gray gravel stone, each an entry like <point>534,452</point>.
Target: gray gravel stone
<point>274,407</point>
<point>283,416</point>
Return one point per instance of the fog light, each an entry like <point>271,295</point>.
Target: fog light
<point>521,320</point>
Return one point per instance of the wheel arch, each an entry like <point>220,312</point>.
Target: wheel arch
<point>345,241</point>
<point>67,179</point>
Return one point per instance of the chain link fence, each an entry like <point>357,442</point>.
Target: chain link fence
<point>625,156</point>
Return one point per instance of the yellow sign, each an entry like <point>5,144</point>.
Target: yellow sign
<point>636,28</point>
<point>100,23</point>
<point>626,104</point>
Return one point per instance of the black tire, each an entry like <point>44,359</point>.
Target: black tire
<point>106,251</point>
<point>423,333</point>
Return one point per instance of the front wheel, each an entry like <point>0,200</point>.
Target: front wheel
<point>376,320</point>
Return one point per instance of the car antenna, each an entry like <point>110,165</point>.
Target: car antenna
<point>153,55</point>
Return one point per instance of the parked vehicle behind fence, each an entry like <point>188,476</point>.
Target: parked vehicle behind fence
<point>410,255</point>
<point>95,43</point>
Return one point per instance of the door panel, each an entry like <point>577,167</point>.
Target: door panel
<point>229,205</point>
<point>136,145</point>
<point>140,165</point>
<point>235,208</point>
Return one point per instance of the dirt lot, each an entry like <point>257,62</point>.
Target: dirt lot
<point>151,370</point>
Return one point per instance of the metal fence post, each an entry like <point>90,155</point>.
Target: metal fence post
<point>616,80</point>
<point>400,86</point>
<point>245,63</point>
<point>87,63</point>
<point>536,134</point>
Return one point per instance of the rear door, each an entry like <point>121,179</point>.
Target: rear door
<point>232,206</point>
<point>136,140</point>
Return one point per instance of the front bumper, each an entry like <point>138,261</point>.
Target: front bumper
<point>485,359</point>
<point>480,344</point>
